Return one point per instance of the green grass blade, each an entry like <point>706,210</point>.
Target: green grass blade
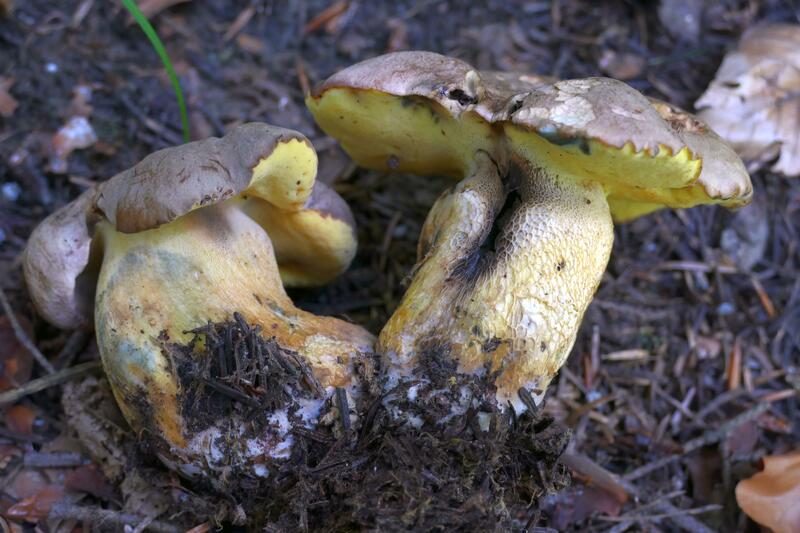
<point>151,34</point>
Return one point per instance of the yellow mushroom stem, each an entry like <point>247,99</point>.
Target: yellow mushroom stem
<point>508,262</point>
<point>155,286</point>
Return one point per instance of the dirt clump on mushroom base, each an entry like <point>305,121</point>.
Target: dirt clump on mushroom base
<point>435,452</point>
<point>230,368</point>
<point>238,387</point>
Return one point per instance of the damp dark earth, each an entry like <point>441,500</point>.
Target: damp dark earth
<point>684,377</point>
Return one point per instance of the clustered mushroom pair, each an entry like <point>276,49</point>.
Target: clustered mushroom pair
<point>508,260</point>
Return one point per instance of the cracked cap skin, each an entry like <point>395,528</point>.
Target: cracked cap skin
<point>190,236</point>
<point>516,249</point>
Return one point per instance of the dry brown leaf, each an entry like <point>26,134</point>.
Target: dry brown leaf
<point>36,507</point>
<point>754,100</point>
<point>151,8</point>
<point>623,66</point>
<point>326,17</point>
<point>579,503</point>
<point>88,478</point>
<point>16,362</point>
<point>8,104</point>
<point>76,134</point>
<point>20,419</point>
<point>771,497</point>
<point>6,7</point>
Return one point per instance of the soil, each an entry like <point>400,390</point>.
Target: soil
<point>685,371</point>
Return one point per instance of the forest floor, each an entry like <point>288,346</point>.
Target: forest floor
<point>686,369</point>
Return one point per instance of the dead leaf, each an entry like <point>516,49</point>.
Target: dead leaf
<point>579,503</point>
<point>682,18</point>
<point>16,362</point>
<point>6,7</point>
<point>623,66</point>
<point>705,472</point>
<point>76,134</point>
<point>398,37</point>
<point>327,17</point>
<point>774,423</point>
<point>88,478</point>
<point>754,100</point>
<point>7,453</point>
<point>20,418</point>
<point>250,44</point>
<point>79,105</point>
<point>8,104</point>
<point>239,23</point>
<point>743,439</point>
<point>151,8</point>
<point>745,238</point>
<point>36,507</point>
<point>770,497</point>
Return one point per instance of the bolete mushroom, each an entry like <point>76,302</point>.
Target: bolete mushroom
<point>510,257</point>
<point>186,254</point>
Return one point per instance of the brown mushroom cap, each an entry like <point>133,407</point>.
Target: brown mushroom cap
<point>271,169</point>
<point>643,151</point>
<point>56,255</point>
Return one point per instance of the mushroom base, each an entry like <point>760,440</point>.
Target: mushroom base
<point>242,398</point>
<point>433,453</point>
<point>193,325</point>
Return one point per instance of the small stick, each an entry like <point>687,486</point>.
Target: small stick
<point>15,436</point>
<point>605,479</point>
<point>44,382</point>
<point>53,459</point>
<point>99,517</point>
<point>75,343</point>
<point>596,475</point>
<point>709,437</point>
<point>344,408</point>
<point>22,337</point>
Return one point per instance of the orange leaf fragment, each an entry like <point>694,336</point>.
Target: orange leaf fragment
<point>771,496</point>
<point>36,507</point>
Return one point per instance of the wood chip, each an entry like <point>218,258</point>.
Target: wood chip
<point>8,104</point>
<point>635,354</point>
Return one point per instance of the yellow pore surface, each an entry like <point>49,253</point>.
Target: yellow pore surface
<point>311,248</point>
<point>412,134</point>
<point>285,178</point>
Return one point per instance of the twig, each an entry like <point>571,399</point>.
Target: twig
<point>53,459</point>
<point>344,408</point>
<point>16,436</point>
<point>596,475</point>
<point>44,382</point>
<point>683,517</point>
<point>709,437</point>
<point>75,343</point>
<point>668,510</point>
<point>22,337</point>
<point>100,517</point>
<point>612,483</point>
